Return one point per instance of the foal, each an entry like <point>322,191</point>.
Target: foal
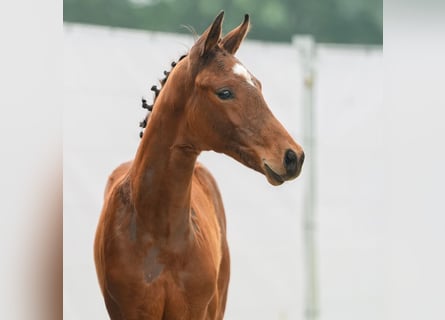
<point>160,249</point>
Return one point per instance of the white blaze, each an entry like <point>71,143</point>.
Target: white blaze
<point>241,71</point>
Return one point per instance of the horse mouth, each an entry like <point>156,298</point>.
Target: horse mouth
<point>273,177</point>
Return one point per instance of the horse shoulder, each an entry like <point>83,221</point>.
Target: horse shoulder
<point>112,220</point>
<point>204,180</point>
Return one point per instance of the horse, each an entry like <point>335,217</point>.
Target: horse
<point>160,248</point>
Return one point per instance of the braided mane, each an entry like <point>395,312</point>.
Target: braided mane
<point>156,91</point>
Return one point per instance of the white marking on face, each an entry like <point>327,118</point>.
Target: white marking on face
<point>241,71</point>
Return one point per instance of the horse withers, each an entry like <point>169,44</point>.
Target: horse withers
<point>160,249</point>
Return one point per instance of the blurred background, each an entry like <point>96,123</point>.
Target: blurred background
<point>314,248</point>
<point>338,21</point>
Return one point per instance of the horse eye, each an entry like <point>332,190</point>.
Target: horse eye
<point>225,94</point>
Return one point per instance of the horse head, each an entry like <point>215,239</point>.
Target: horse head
<point>225,110</point>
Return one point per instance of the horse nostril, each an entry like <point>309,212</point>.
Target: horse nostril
<point>290,162</point>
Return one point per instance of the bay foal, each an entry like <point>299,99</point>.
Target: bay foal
<point>160,249</point>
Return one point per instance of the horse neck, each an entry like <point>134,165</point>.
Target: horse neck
<point>161,174</point>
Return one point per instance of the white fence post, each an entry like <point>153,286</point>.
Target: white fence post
<point>306,47</point>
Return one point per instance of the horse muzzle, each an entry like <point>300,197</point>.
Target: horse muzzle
<point>289,169</point>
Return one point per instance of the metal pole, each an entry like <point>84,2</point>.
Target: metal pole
<point>307,48</point>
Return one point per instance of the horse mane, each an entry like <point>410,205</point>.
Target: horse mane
<point>156,92</point>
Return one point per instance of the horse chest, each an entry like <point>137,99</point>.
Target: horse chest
<point>196,285</point>
<point>191,271</point>
<point>185,283</point>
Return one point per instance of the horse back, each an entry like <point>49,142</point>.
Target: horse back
<point>116,176</point>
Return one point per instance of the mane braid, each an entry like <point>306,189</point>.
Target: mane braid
<point>156,91</point>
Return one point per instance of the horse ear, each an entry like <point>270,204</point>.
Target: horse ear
<point>233,39</point>
<point>212,35</point>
